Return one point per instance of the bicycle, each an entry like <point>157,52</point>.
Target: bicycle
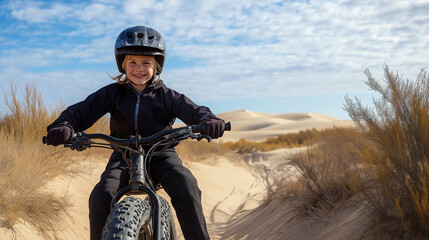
<point>134,218</point>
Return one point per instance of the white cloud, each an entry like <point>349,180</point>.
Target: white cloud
<point>96,11</point>
<point>14,60</point>
<point>241,48</point>
<point>98,50</point>
<point>36,12</point>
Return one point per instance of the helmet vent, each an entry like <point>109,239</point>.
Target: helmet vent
<point>140,35</point>
<point>129,34</point>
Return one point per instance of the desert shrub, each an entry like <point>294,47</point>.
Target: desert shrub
<point>397,127</point>
<point>289,140</point>
<point>27,165</point>
<point>298,139</point>
<point>244,146</point>
<point>25,169</point>
<point>328,171</point>
<point>26,118</point>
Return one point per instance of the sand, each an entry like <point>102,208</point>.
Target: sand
<point>233,192</point>
<point>257,126</point>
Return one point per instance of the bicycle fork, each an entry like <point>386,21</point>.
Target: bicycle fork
<point>138,184</point>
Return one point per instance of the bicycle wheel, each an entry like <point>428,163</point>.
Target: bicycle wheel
<point>126,219</point>
<point>168,230</point>
<point>130,219</point>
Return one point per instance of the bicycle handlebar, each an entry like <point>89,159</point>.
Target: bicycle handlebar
<point>125,142</point>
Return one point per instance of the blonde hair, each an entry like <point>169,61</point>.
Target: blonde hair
<point>122,77</point>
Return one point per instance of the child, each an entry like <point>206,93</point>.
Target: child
<point>140,103</point>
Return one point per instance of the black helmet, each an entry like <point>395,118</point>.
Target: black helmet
<point>140,40</point>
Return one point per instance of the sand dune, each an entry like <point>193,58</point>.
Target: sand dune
<point>257,126</point>
<point>232,192</point>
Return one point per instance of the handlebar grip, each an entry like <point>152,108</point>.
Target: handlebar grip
<point>199,128</point>
<point>45,140</point>
<point>228,126</point>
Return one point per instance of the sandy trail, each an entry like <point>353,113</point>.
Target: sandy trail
<point>228,189</point>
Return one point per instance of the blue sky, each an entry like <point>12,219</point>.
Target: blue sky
<point>267,56</point>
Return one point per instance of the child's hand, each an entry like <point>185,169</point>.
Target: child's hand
<point>214,128</point>
<point>59,135</point>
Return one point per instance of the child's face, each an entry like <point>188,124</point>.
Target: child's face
<point>139,69</point>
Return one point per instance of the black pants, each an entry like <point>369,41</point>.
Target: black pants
<point>177,181</point>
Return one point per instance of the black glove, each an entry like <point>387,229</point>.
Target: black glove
<point>213,127</point>
<point>58,135</point>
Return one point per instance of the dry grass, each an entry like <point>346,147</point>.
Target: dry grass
<point>328,171</point>
<point>208,152</point>
<point>398,131</point>
<point>290,140</point>
<point>27,165</point>
<point>385,163</point>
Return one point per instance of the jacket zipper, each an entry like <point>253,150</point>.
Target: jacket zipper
<point>136,115</point>
<point>136,110</point>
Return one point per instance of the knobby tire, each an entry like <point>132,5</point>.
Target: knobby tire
<point>130,219</point>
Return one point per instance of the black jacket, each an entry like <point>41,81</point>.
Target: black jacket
<point>147,113</point>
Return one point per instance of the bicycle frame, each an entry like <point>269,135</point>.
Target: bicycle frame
<point>138,184</point>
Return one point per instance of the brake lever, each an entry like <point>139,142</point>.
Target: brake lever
<point>199,137</point>
<point>80,143</point>
<point>185,135</point>
<point>79,146</point>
